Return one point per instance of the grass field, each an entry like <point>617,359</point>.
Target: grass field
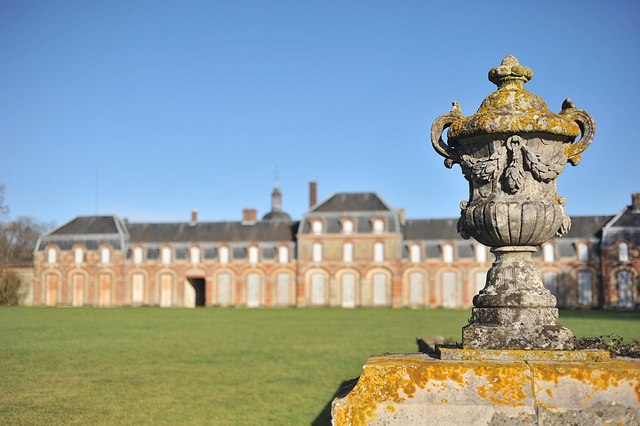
<point>210,366</point>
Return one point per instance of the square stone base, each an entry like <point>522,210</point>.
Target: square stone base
<point>494,336</point>
<point>415,389</point>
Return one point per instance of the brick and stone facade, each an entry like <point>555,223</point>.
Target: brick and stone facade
<point>349,250</point>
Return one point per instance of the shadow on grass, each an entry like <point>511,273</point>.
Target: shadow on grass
<point>324,418</point>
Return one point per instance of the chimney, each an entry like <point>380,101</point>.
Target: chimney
<point>635,202</point>
<point>313,194</point>
<point>402,216</point>
<point>249,216</point>
<point>194,217</point>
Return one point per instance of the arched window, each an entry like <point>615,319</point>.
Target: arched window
<point>137,255</point>
<point>105,255</point>
<point>283,254</point>
<point>195,255</point>
<point>415,254</point>
<point>378,252</point>
<point>78,256</point>
<point>317,289</point>
<point>585,289</point>
<point>165,255</point>
<point>447,253</point>
<point>449,290</point>
<point>223,255</point>
<point>283,283</point>
<point>224,289</point>
<point>253,255</point>
<point>347,227</point>
<point>623,252</point>
<point>317,227</point>
<point>253,290</point>
<point>348,291</point>
<point>317,252</point>
<point>416,286</point>
<point>625,289</point>
<point>347,252</point>
<point>379,289</point>
<point>548,253</point>
<point>583,252</point>
<point>52,255</point>
<point>378,226</point>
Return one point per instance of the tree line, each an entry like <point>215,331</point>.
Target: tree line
<point>18,240</point>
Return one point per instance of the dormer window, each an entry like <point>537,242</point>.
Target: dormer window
<point>347,227</point>
<point>195,255</point>
<point>223,255</point>
<point>254,255</point>
<point>78,256</point>
<point>137,255</point>
<point>378,226</point>
<point>415,253</point>
<point>583,252</point>
<point>317,227</point>
<point>52,255</point>
<point>623,252</point>
<point>447,253</point>
<point>165,255</point>
<point>283,254</point>
<point>105,255</point>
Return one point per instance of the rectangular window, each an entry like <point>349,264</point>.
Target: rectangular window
<point>416,283</point>
<point>583,252</point>
<point>548,253</point>
<point>253,290</point>
<point>105,290</point>
<point>137,255</point>
<point>551,282</point>
<point>379,289</point>
<point>481,253</point>
<point>166,255</point>
<point>253,255</point>
<point>447,253</point>
<point>414,253</point>
<point>317,252</point>
<point>224,255</point>
<point>481,280</point>
<point>283,254</point>
<point>105,255</point>
<point>195,255</point>
<point>623,252</point>
<point>317,289</point>
<point>625,289</point>
<point>378,252</point>
<point>284,289</point>
<point>347,253</point>
<point>78,256</point>
<point>166,287</point>
<point>51,255</point>
<point>378,226</point>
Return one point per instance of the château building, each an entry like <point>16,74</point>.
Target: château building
<point>349,250</point>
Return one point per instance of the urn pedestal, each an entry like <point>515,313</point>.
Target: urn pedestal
<point>511,152</point>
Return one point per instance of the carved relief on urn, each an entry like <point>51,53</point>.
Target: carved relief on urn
<point>511,152</point>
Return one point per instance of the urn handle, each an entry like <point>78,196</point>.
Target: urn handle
<point>587,128</point>
<point>439,125</point>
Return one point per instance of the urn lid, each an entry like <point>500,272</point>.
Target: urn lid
<point>512,109</point>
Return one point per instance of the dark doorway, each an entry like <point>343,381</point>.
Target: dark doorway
<point>199,286</point>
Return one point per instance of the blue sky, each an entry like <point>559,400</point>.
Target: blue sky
<point>176,105</point>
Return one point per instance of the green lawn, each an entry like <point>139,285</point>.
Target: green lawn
<point>209,366</point>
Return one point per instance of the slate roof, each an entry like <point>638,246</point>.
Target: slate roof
<point>431,229</point>
<point>587,226</point>
<point>88,225</point>
<point>351,202</point>
<point>626,225</point>
<point>212,231</point>
<point>628,218</point>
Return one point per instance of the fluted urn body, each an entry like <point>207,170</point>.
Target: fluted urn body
<point>511,152</point>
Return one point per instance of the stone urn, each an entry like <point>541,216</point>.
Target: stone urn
<point>511,152</point>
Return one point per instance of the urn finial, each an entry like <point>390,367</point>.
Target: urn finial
<point>510,74</point>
